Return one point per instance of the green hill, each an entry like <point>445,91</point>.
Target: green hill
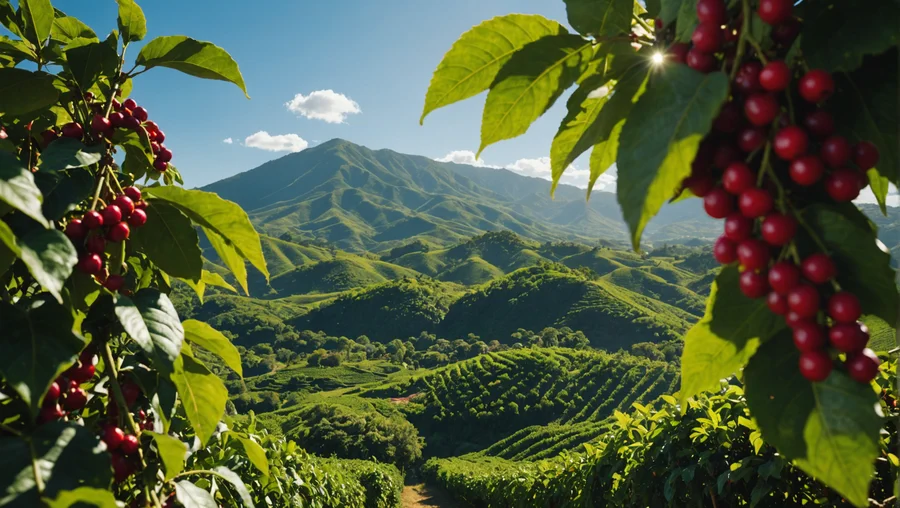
<point>345,271</point>
<point>646,283</point>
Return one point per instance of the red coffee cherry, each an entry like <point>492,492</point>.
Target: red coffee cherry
<point>114,283</point>
<point>73,130</point>
<point>835,151</point>
<point>843,185</point>
<point>775,76</point>
<point>679,51</point>
<point>160,166</point>
<point>75,399</point>
<point>140,113</point>
<point>848,337</point>
<point>820,123</point>
<point>815,366</point>
<point>130,104</point>
<point>711,11</point>
<point>82,373</point>
<point>707,37</point>
<point>738,177</point>
<point>113,437</point>
<point>863,366</point>
<point>117,119</point>
<point>130,445</point>
<point>747,79</point>
<point>138,218</point>
<point>751,138</point>
<point>118,232</point>
<point>753,284</point>
<point>753,254</point>
<point>761,109</point>
<point>729,118</point>
<point>816,86</point>
<point>112,215</point>
<point>792,319</point>
<point>718,203</point>
<point>818,268</point>
<point>806,170</point>
<point>96,245</point>
<point>774,12</point>
<point>783,277</point>
<point>738,227</point>
<point>865,155</point>
<point>133,193</point>
<point>755,202</point>
<point>778,229</point>
<point>791,142</point>
<point>725,154</point>
<point>90,264</point>
<point>100,123</point>
<point>785,33</point>
<point>700,185</point>
<point>809,336</point>
<point>777,303</point>
<point>53,392</point>
<point>844,307</point>
<point>804,300</point>
<point>76,230</point>
<point>725,251</point>
<point>125,204</point>
<point>700,61</point>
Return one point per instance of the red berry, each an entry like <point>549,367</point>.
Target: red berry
<point>777,303</point>
<point>82,373</point>
<point>835,151</point>
<point>711,11</point>
<point>754,254</point>
<point>804,300</point>
<point>725,251</point>
<point>747,79</point>
<point>96,244</point>
<point>116,105</point>
<point>50,413</point>
<point>761,109</point>
<point>729,119</point>
<point>718,203</point>
<point>818,268</point>
<point>130,445</point>
<point>700,61</point>
<point>778,229</point>
<point>863,366</point>
<point>843,307</point>
<point>809,336</point>
<point>725,154</point>
<point>131,392</point>
<point>753,284</point>
<point>862,181</point>
<point>785,33</point>
<point>122,468</point>
<point>117,119</point>
<point>160,166</point>
<point>755,202</point>
<point>707,37</point>
<point>783,277</point>
<point>75,399</point>
<point>154,147</point>
<point>738,227</point>
<point>47,137</point>
<point>112,215</point>
<point>700,185</point>
<point>849,337</point>
<point>73,130</point>
<point>843,185</point>
<point>774,12</point>
<point>129,104</point>
<point>165,154</point>
<point>820,123</point>
<point>793,319</point>
<point>807,170</point>
<point>815,366</point>
<point>113,437</point>
<point>140,205</point>
<point>775,76</point>
<point>865,155</point>
<point>140,113</point>
<point>72,383</point>
<point>658,24</point>
<point>53,392</point>
<point>738,177</point>
<point>131,123</point>
<point>76,230</point>
<point>751,138</point>
<point>138,218</point>
<point>100,123</point>
<point>125,204</point>
<point>87,356</point>
<point>679,52</point>
<point>118,232</point>
<point>160,135</point>
<point>114,282</point>
<point>816,86</point>
<point>791,142</point>
<point>90,264</point>
<point>93,219</point>
<point>133,193</point>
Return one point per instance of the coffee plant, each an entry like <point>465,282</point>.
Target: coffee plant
<point>777,116</point>
<point>103,400</point>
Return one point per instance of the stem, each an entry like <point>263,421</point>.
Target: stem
<point>97,192</point>
<point>38,481</point>
<point>742,42</point>
<point>115,83</point>
<point>7,428</point>
<point>644,24</point>
<point>758,48</point>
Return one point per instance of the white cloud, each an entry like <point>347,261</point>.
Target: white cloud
<point>538,168</point>
<point>464,157</point>
<point>867,196</point>
<point>228,141</point>
<point>326,105</point>
<point>276,143</point>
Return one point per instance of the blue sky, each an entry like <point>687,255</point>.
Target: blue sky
<point>378,54</point>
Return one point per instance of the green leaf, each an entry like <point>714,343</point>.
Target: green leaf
<point>24,91</point>
<point>90,61</point>
<point>192,496</point>
<point>9,18</point>
<point>730,332</point>
<point>172,453</point>
<point>577,132</point>
<point>661,138</point>
<point>474,60</point>
<point>64,456</point>
<point>202,394</point>
<point>829,429</point>
<point>67,28</point>
<point>151,320</point>
<point>530,82</point>
<point>687,20</point>
<point>600,17</point>
<point>15,49</point>
<point>213,341</point>
<point>668,10</point>
<point>208,279</point>
<point>197,58</point>
<point>863,262</point>
<point>238,484</point>
<point>37,20</point>
<point>231,258</point>
<point>837,35</point>
<point>255,453</point>
<point>223,218</point>
<point>170,241</point>
<point>38,344</point>
<point>132,24</point>
<point>63,190</point>
<point>50,258</point>
<point>68,153</point>
<point>17,187</point>
<point>9,251</point>
<point>83,497</point>
<point>880,186</point>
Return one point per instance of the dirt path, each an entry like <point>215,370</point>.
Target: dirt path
<point>423,496</point>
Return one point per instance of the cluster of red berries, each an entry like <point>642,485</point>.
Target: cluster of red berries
<point>126,115</point>
<point>728,174</point>
<point>123,447</point>
<point>91,232</point>
<point>66,395</point>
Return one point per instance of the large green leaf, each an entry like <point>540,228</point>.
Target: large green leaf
<point>151,320</point>
<point>50,258</point>
<point>172,452</point>
<point>212,340</point>
<point>24,91</point>
<point>63,190</point>
<point>68,153</point>
<point>255,453</point>
<point>64,456</point>
<point>600,17</point>
<point>37,20</point>
<point>660,139</point>
<point>668,10</point>
<point>132,24</point>
<point>90,61</point>
<point>190,56</point>
<point>9,250</point>
<point>208,279</point>
<point>687,20</point>
<point>837,35</point>
<point>67,28</point>
<point>231,258</point>
<point>192,496</point>
<point>38,344</point>
<point>863,262</point>
<point>9,18</point>
<point>170,241</point>
<point>236,482</point>
<point>474,60</point>
<point>530,82</point>
<point>17,187</point>
<point>83,497</point>
<point>829,429</point>
<point>729,334</point>
<point>202,393</point>
<point>223,218</point>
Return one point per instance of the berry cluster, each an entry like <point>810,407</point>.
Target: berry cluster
<point>741,183</point>
<point>94,229</point>
<point>59,403</point>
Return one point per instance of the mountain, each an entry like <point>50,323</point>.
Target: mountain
<point>374,200</point>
